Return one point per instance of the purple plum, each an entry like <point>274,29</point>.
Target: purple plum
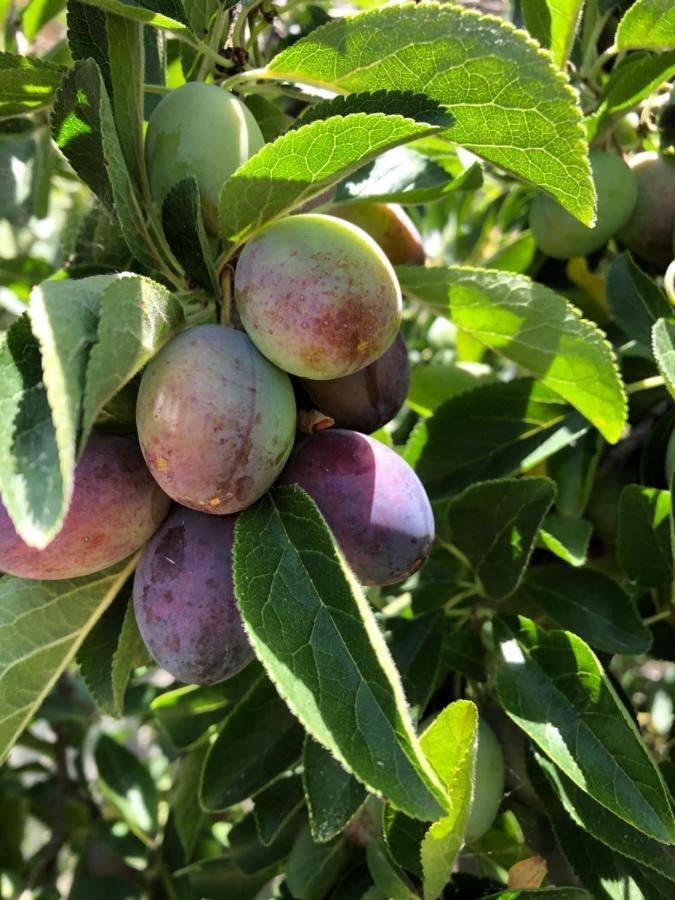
<point>216,420</point>
<point>372,500</point>
<point>184,599</point>
<point>116,507</point>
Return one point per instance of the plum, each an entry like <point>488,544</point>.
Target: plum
<point>184,599</point>
<point>199,129</point>
<point>368,399</point>
<point>317,296</point>
<point>372,500</point>
<point>389,226</point>
<point>650,230</point>
<point>216,420</point>
<point>489,785</point>
<point>560,235</point>
<point>116,506</point>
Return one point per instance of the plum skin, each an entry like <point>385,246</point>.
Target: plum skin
<point>558,234</point>
<point>372,500</point>
<point>389,226</point>
<point>184,599</point>
<point>650,231</point>
<point>199,129</point>
<point>317,296</point>
<point>116,506</point>
<point>489,785</point>
<point>368,399</point>
<point>216,420</point>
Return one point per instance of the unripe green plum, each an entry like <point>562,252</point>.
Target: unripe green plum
<point>560,235</point>
<point>389,226</point>
<point>216,420</point>
<point>649,231</point>
<point>184,599</point>
<point>317,296</point>
<point>199,129</point>
<point>116,506</point>
<point>489,785</point>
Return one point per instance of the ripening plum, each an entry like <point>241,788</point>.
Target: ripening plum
<point>372,500</point>
<point>317,296</point>
<point>560,235</point>
<point>489,785</point>
<point>199,129</point>
<point>184,599</point>
<point>216,420</point>
<point>389,226</point>
<point>116,507</point>
<point>368,399</point>
<point>650,230</point>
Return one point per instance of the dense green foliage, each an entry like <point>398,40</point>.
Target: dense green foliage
<point>337,439</point>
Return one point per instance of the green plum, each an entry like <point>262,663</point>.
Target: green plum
<point>489,785</point>
<point>201,130</point>
<point>649,231</point>
<point>317,296</point>
<point>560,235</point>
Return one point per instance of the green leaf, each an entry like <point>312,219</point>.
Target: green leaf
<point>313,868</point>
<point>495,525</point>
<point>301,164</point>
<point>510,104</point>
<point>188,816</point>
<point>387,876</point>
<point>253,856</point>
<point>317,637</point>
<point>573,469</point>
<point>554,24</point>
<point>403,175</point>
<point>126,55</point>
<point>663,347</point>
<point>110,653</point>
<point>648,25</point>
<point>88,36</point>
<point>277,805</point>
<point>36,14</point>
<point>416,646</point>
<point>188,714</point>
<point>27,85</point>
<point>547,893</point>
<point>184,230</point>
<point>634,79</point>
<point>590,604</point>
<point>408,104</point>
<point>126,782</point>
<point>553,687</point>
<point>463,652</point>
<point>450,746</point>
<point>593,821</point>
<point>218,876</point>
<point>433,383</point>
<point>489,432</point>
<point>259,740</point>
<point>635,300</point>
<point>139,14</point>
<point>567,537</point>
<point>534,328</point>
<point>42,625</point>
<point>137,318</point>
<point>333,795</point>
<point>644,546</point>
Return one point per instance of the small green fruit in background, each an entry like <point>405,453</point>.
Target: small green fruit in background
<point>649,231</point>
<point>201,130</point>
<point>560,235</point>
<point>489,784</point>
<point>390,226</point>
<point>317,296</point>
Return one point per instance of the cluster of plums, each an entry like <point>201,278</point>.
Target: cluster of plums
<point>636,205</point>
<point>319,303</point>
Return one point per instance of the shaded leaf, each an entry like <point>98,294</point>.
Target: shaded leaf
<point>567,537</point>
<point>635,299</point>
<point>27,85</point>
<point>663,347</point>
<point>127,783</point>
<point>333,795</point>
<point>313,868</point>
<point>276,805</point>
<point>644,543</point>
<point>184,229</point>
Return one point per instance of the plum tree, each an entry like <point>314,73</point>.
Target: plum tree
<point>649,232</point>
<point>215,419</point>
<point>489,785</point>
<point>116,506</point>
<point>560,235</point>
<point>317,296</point>
<point>389,226</point>
<point>184,599</point>
<point>201,130</point>
<point>368,399</point>
<point>372,500</point>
